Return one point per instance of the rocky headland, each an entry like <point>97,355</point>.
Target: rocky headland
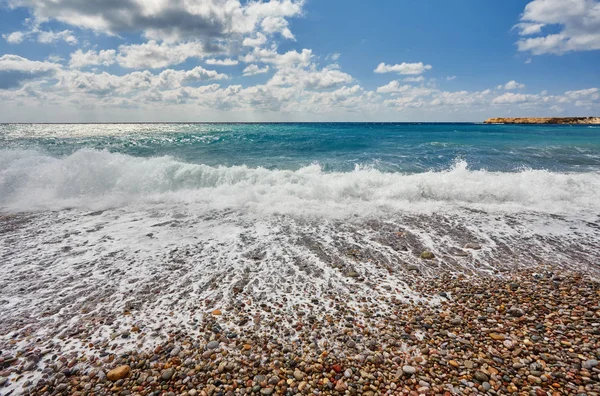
<point>545,120</point>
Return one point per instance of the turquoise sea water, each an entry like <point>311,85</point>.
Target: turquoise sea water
<point>336,147</point>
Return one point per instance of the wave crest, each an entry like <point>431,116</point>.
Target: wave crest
<point>92,179</point>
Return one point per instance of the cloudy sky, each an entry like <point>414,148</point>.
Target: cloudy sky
<point>297,60</point>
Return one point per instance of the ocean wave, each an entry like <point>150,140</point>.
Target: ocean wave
<point>92,179</point>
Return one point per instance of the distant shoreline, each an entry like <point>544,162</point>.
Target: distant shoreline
<point>546,120</point>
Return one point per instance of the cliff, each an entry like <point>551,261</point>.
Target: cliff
<point>549,120</point>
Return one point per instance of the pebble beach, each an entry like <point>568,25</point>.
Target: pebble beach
<point>534,332</point>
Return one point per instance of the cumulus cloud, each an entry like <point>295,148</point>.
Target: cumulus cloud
<point>326,78</point>
<point>252,70</point>
<point>414,79</point>
<point>51,37</point>
<point>403,68</point>
<point>14,37</point>
<point>257,41</point>
<point>288,59</point>
<point>80,59</point>
<point>41,36</point>
<point>273,25</point>
<point>153,55</point>
<point>169,20</point>
<point>511,98</point>
<point>103,84</point>
<point>578,23</point>
<point>15,70</point>
<point>222,62</point>
<point>511,85</point>
<point>299,85</point>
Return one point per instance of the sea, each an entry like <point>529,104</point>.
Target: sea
<point>156,218</point>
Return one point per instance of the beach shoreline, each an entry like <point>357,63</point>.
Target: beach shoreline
<point>536,331</point>
<point>458,323</point>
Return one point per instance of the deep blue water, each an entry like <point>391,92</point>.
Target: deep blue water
<point>389,147</point>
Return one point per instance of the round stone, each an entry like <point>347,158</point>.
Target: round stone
<point>212,345</point>
<point>481,377</point>
<point>167,374</point>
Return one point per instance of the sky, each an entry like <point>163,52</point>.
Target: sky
<point>297,60</point>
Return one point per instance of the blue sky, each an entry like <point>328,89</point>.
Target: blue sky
<point>293,60</point>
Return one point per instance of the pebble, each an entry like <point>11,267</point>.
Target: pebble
<point>298,375</point>
<point>588,364</point>
<point>481,377</point>
<point>118,373</point>
<point>410,370</point>
<point>212,345</point>
<point>167,374</point>
<point>427,255</point>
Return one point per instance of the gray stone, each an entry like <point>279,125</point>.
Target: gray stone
<point>481,377</point>
<point>212,345</point>
<point>410,370</point>
<point>588,364</point>
<point>167,374</point>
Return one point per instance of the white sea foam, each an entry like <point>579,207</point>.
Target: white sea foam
<point>91,179</point>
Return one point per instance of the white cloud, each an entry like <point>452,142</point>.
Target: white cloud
<point>80,59</point>
<point>450,78</point>
<point>222,62</point>
<point>169,20</point>
<point>414,79</point>
<point>252,70</point>
<point>511,98</point>
<point>54,58</point>
<point>288,59</point>
<point>328,77</point>
<point>105,84</point>
<point>403,68</point>
<point>587,98</point>
<point>51,37</point>
<point>156,56</point>
<point>528,29</point>
<point>333,57</point>
<point>257,41</point>
<point>299,88</point>
<point>591,93</point>
<point>15,70</point>
<point>511,85</point>
<point>394,87</point>
<point>578,23</point>
<point>277,25</point>
<point>14,37</point>
<point>41,36</point>
<point>461,98</point>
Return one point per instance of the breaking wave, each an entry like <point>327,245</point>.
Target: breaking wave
<point>90,179</point>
